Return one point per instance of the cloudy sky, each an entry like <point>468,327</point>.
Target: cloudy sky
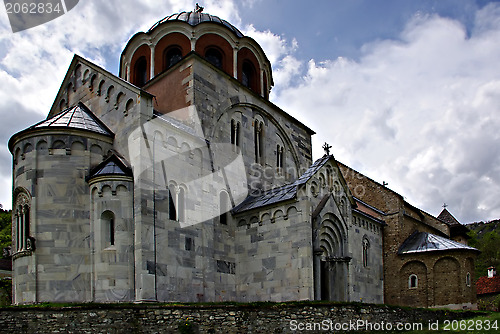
<point>406,92</point>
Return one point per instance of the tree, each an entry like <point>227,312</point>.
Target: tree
<point>5,229</point>
<point>487,243</point>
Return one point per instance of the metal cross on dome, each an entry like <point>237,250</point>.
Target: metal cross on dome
<point>327,148</point>
<point>198,8</point>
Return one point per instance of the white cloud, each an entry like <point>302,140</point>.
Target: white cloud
<point>33,62</point>
<point>420,112</point>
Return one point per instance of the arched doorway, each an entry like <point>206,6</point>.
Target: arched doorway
<point>331,265</point>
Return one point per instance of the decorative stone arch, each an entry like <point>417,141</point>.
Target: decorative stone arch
<point>128,106</point>
<point>92,81</point>
<point>277,215</point>
<point>254,220</point>
<point>77,147</point>
<point>413,272</point>
<point>265,217</point>
<point>63,105</point>
<point>100,87</point>
<point>448,281</point>
<point>109,92</point>
<point>292,212</point>
<point>172,144</point>
<point>119,99</point>
<point>86,75</point>
<point>77,75</point>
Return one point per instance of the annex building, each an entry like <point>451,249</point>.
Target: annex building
<point>178,180</point>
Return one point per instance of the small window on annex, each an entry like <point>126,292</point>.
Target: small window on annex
<point>108,228</point>
<point>223,207</point>
<point>259,141</point>
<point>467,279</point>
<point>366,248</point>
<point>413,281</point>
<point>172,56</point>
<point>279,159</point>
<point>235,134</point>
<point>214,57</point>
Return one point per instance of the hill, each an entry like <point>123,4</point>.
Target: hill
<point>485,236</point>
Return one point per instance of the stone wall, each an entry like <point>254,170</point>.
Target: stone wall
<point>223,318</point>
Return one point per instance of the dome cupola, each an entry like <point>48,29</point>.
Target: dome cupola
<point>173,38</point>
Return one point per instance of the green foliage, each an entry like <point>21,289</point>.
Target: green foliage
<point>5,292</point>
<point>487,241</point>
<point>186,327</point>
<point>5,229</point>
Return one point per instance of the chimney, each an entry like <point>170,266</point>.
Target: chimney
<point>492,272</point>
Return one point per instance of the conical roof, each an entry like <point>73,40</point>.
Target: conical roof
<point>76,117</point>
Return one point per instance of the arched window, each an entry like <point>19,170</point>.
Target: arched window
<point>235,134</point>
<point>181,205</point>
<point>176,203</point>
<point>366,247</point>
<point>259,141</point>
<point>172,56</point>
<point>214,57</point>
<point>279,159</point>
<point>413,281</point>
<point>22,224</point>
<point>172,195</point>
<point>248,75</point>
<point>141,71</point>
<point>223,207</point>
<point>467,279</point>
<point>108,228</point>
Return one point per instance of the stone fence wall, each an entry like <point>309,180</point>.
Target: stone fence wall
<point>218,318</point>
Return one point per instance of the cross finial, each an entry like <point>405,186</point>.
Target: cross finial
<point>327,148</point>
<point>445,205</point>
<point>198,8</point>
<point>385,184</point>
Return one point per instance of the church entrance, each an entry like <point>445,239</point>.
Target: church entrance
<point>330,265</point>
<point>333,277</point>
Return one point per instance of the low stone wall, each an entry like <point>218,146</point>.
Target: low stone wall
<point>218,318</point>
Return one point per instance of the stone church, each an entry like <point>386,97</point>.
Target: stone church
<point>178,180</point>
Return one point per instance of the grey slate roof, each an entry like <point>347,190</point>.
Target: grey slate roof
<point>280,194</point>
<point>195,18</point>
<point>76,117</point>
<point>448,218</point>
<point>114,164</point>
<point>421,242</point>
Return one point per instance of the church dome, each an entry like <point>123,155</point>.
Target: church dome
<point>195,18</point>
<point>151,54</point>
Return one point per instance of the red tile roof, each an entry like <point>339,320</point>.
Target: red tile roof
<point>488,285</point>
